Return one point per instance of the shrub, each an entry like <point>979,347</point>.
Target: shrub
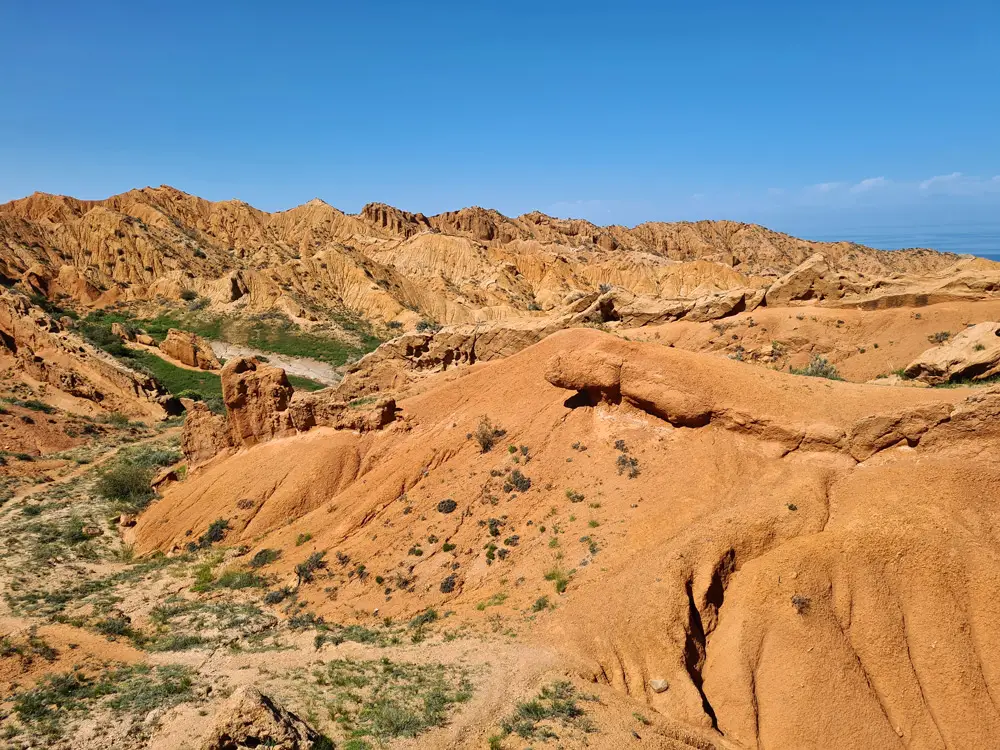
<point>277,596</point>
<point>264,557</point>
<point>306,570</point>
<point>517,481</point>
<point>239,579</point>
<point>428,326</point>
<point>818,367</point>
<point>127,484</point>
<point>424,618</point>
<point>447,506</point>
<point>940,337</point>
<point>188,295</point>
<point>574,497</point>
<point>628,464</point>
<point>559,577</point>
<point>487,434</point>
<point>216,532</point>
<point>541,603</point>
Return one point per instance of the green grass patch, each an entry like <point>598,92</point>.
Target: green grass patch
<point>384,700</point>
<point>178,379</point>
<point>556,705</point>
<point>58,699</point>
<point>306,384</point>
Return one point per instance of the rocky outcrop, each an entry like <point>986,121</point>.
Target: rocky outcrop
<point>250,719</point>
<point>205,434</point>
<point>47,352</point>
<point>675,387</point>
<point>189,348</point>
<point>973,354</point>
<point>256,396</point>
<point>397,363</point>
<point>813,279</point>
<point>262,405</point>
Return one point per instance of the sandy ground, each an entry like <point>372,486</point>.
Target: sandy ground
<point>301,366</point>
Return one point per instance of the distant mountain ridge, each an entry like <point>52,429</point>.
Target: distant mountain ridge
<point>385,264</point>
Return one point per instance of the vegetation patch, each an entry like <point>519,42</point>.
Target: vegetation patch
<point>381,700</point>
<point>818,367</point>
<point>555,707</point>
<point>57,700</point>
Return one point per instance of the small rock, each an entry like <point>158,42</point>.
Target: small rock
<point>658,686</point>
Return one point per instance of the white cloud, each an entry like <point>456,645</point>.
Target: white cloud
<point>869,184</point>
<point>826,187</point>
<point>775,191</point>
<point>941,178</point>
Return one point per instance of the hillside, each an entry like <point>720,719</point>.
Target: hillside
<point>313,480</point>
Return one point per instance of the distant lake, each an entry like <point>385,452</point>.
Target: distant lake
<point>982,240</point>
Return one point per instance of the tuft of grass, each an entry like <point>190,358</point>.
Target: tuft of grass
<point>264,557</point>
<point>383,700</point>
<point>494,601</point>
<point>541,603</point>
<point>555,704</point>
<point>487,434</point>
<point>559,577</point>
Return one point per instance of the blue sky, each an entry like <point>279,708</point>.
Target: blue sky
<point>809,117</point>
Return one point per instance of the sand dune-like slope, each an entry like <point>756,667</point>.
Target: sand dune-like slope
<point>776,560</point>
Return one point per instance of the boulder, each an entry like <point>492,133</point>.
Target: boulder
<point>122,332</point>
<point>250,719</point>
<point>973,354</point>
<point>189,348</point>
<point>813,279</point>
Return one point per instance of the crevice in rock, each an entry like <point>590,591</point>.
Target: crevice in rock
<point>695,652</point>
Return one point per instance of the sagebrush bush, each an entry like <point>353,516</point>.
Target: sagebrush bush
<point>487,434</point>
<point>127,484</point>
<point>818,367</point>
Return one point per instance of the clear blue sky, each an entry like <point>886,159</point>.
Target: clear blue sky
<point>807,116</point>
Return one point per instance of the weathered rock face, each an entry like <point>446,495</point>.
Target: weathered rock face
<point>256,396</point>
<point>250,719</point>
<point>973,354</point>
<point>396,363</point>
<point>55,356</point>
<point>122,332</point>
<point>205,434</point>
<point>261,405</point>
<point>814,279</point>
<point>189,348</point>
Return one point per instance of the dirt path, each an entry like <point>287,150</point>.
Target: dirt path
<point>301,366</point>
